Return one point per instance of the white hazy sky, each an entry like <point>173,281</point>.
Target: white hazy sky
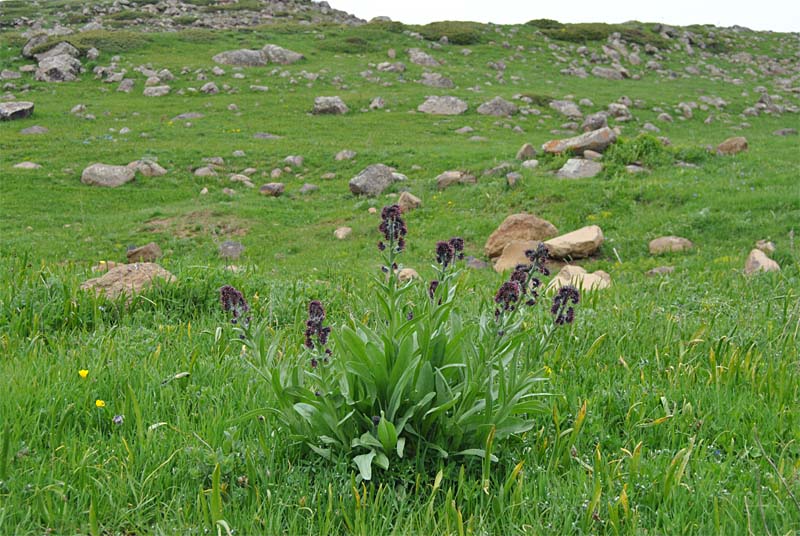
<point>776,15</point>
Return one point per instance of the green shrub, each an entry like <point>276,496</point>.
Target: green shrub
<point>458,33</point>
<point>386,26</point>
<point>596,31</point>
<point>104,40</point>
<point>542,101</point>
<point>645,149</point>
<point>241,5</point>
<point>77,18</point>
<point>352,44</point>
<point>198,36</point>
<point>545,24</point>
<point>422,382</point>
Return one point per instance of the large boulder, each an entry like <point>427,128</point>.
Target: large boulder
<point>283,56</point>
<point>443,105</point>
<point>596,140</point>
<point>33,43</point>
<point>329,105</point>
<point>518,227</point>
<point>581,243</point>
<point>15,110</point>
<point>498,106</point>
<point>579,168</point>
<point>374,179</point>
<point>758,261</point>
<point>60,68</point>
<point>61,48</point>
<point>148,168</point>
<point>128,279</point>
<point>242,57</point>
<point>669,244</point>
<point>107,175</point>
<point>449,178</point>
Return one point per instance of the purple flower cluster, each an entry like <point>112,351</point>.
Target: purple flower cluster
<point>393,229</point>
<point>450,251</point>
<point>233,302</point>
<point>561,309</point>
<point>316,334</point>
<point>507,297</point>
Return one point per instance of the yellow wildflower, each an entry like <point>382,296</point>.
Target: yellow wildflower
<point>100,403</point>
<point>83,373</point>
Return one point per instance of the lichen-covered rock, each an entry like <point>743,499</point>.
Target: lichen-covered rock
<point>128,279</point>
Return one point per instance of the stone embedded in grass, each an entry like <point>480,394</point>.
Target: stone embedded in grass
<point>377,103</point>
<point>345,154</point>
<point>669,244</point>
<point>15,110</point>
<point>280,55</point>
<point>104,266</point>
<point>530,164</point>
<point>449,178</point>
<point>660,270</point>
<point>308,188</point>
<point>147,253</point>
<point>785,132</point>
<point>342,232</point>
<point>205,171</point>
<point>156,91</point>
<point>60,68</point>
<point>513,178</point>
<point>329,105</point>
<point>567,108</point>
<point>436,80</point>
<point>209,88</point>
<point>610,73</point>
<point>243,179</point>
<point>579,168</point>
<point>518,227</point>
<point>272,189</point>
<point>732,146</point>
<point>147,168</point>
<point>27,165</point>
<point>422,58</point>
<point>407,274</point>
<point>514,254</point>
<point>266,136</point>
<point>595,140</point>
<point>595,122</point>
<point>374,179</point>
<point>526,152</point>
<point>230,250</point>
<point>294,160</point>
<point>580,278</point>
<point>61,48</point>
<point>498,107</point>
<point>476,264</point>
<point>408,201</point>
<point>35,129</point>
<point>581,243</point>
<point>241,57</point>
<point>126,85</point>
<point>128,279</point>
<point>443,105</point>
<point>107,175</point>
<point>758,261</point>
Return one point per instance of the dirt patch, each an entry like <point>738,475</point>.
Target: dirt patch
<point>193,224</point>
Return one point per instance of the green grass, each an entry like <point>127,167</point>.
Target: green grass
<point>689,382</point>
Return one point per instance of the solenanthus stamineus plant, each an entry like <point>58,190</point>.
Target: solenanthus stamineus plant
<point>426,379</point>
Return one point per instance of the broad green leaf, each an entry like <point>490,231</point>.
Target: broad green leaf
<point>364,464</point>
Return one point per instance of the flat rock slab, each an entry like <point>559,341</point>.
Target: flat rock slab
<point>107,175</point>
<point>449,178</point>
<point>581,243</point>
<point>595,140</point>
<point>514,254</point>
<point>444,105</point>
<point>128,279</point>
<point>580,278</point>
<point>578,168</point>
<point>15,110</point>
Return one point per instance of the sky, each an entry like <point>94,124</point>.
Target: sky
<point>775,15</point>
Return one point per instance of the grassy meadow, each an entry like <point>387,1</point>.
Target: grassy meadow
<point>672,402</point>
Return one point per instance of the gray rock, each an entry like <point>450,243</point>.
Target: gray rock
<point>391,67</point>
<point>61,48</point>
<point>126,85</point>
<point>329,105</point>
<point>308,188</point>
<point>436,80</point>
<point>107,175</point>
<point>567,108</point>
<point>36,129</point>
<point>669,244</point>
<point>421,58</point>
<point>5,74</point>
<point>242,57</point>
<point>147,253</point>
<point>785,132</point>
<point>609,73</point>
<point>272,189</point>
<point>443,105</point>
<point>15,110</point>
<point>33,43</point>
<point>345,154</point>
<point>595,122</point>
<point>526,152</point>
<point>209,88</point>
<point>147,168</point>
<point>660,270</point>
<point>498,106</point>
<point>156,91</point>
<point>280,55</point>
<point>374,180</point>
<point>578,168</point>
<point>61,68</point>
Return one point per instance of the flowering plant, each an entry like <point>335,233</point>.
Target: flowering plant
<point>422,381</point>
